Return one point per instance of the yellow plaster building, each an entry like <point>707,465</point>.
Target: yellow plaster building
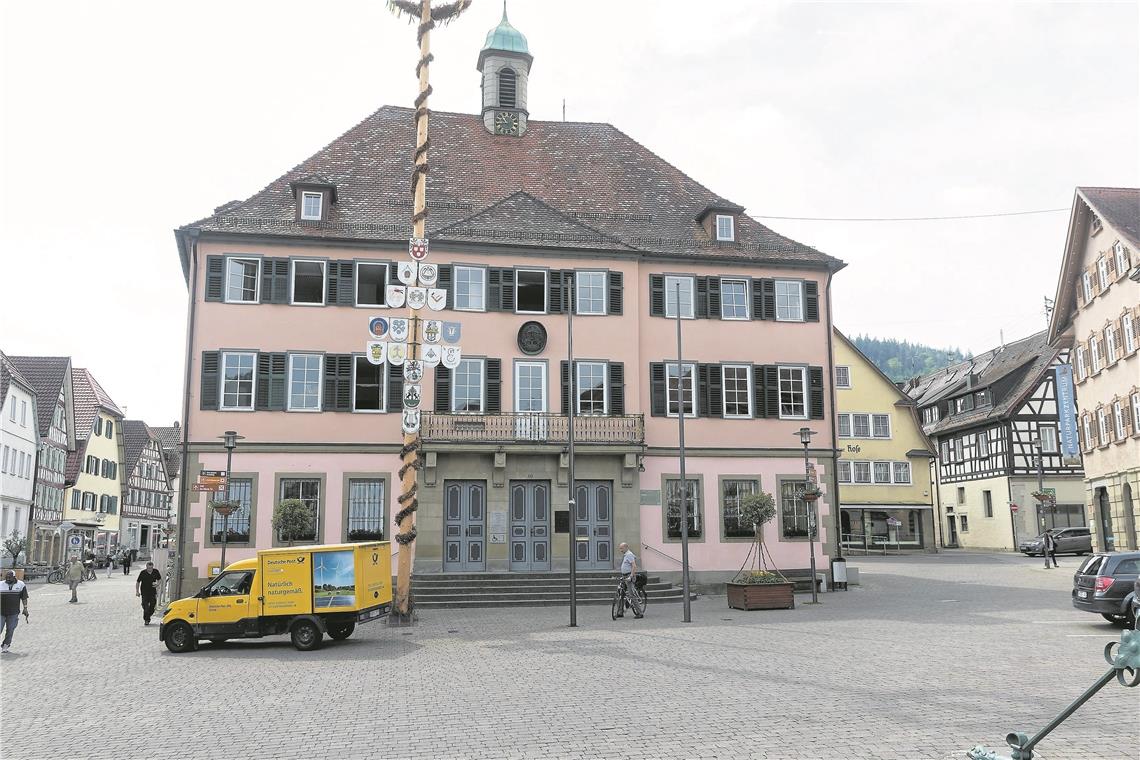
<point>95,469</point>
<point>884,461</point>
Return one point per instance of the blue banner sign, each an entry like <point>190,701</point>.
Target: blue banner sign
<point>1067,413</point>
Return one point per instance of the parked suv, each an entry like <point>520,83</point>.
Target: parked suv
<point>1069,541</point>
<point>1106,584</point>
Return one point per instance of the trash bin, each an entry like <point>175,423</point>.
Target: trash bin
<point>839,574</point>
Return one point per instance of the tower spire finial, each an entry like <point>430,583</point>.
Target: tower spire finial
<point>504,10</point>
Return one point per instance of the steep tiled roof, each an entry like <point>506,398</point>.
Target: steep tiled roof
<point>591,173</point>
<point>136,436</point>
<point>10,374</point>
<point>170,438</point>
<point>1030,356</point>
<point>1118,207</point>
<point>46,374</point>
<point>89,397</point>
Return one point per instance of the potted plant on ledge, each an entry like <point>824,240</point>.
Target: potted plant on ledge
<point>759,588</point>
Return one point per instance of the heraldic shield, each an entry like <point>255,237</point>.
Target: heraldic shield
<point>410,422</point>
<point>413,370</point>
<point>431,355</point>
<point>397,353</point>
<point>394,295</point>
<point>377,351</point>
<point>398,329</point>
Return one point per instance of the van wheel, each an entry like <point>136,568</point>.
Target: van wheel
<point>306,635</point>
<point>179,637</point>
<point>341,631</point>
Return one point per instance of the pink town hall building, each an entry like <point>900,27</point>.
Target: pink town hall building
<point>531,223</point>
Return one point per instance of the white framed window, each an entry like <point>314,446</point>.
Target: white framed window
<point>237,381</point>
<point>1081,369</point>
<point>861,425</point>
<point>1086,286</point>
<point>470,288</point>
<point>737,390</point>
<point>958,450</point>
<point>305,382</point>
<point>371,281</point>
<point>881,425</point>
<point>365,510</point>
<point>1121,255</point>
<point>1088,431</point>
<point>530,291</point>
<point>1094,346</point>
<point>467,387</point>
<point>307,287</point>
<point>902,473</point>
<point>733,299</point>
<point>793,392</point>
<point>682,387</point>
<point>23,413</point>
<point>530,394</point>
<point>861,472</point>
<point>1048,436</point>
<point>307,490</point>
<point>12,409</point>
<point>1136,413</point>
<point>883,472</point>
<point>845,426</point>
<point>1129,333</point>
<point>983,444</point>
<point>1118,419</point>
<point>673,507</point>
<point>311,205</point>
<point>1102,426</point>
<point>1102,271</point>
<point>589,292</point>
<point>844,471</point>
<point>679,295</point>
<point>789,301</point>
<point>1110,343</point>
<point>243,280</point>
<point>725,227</point>
<point>842,377</point>
<point>591,388</point>
<point>369,389</point>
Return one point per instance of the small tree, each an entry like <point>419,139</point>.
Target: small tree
<point>292,518</point>
<point>759,509</point>
<point>15,545</point>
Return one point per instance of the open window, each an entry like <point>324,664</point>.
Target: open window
<point>530,291</point>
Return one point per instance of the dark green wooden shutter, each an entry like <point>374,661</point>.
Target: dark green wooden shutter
<point>394,273</point>
<point>442,389</point>
<point>701,392</point>
<point>396,388</point>
<point>713,380</point>
<point>701,308</point>
<point>271,371</point>
<point>815,382</point>
<point>494,372</point>
<point>332,281</point>
<point>616,293</point>
<point>215,278</point>
<point>714,298</point>
<point>445,282</point>
<point>811,301</point>
<point>770,376</point>
<point>617,387</point>
<point>495,289</point>
<point>565,373</point>
<point>507,278</point>
<point>211,363</point>
<point>657,396</point>
<point>338,383</point>
<point>656,295</point>
<point>556,288</point>
<point>261,392</point>
<point>757,299</point>
<point>274,280</point>
<point>768,288</point>
<point>342,282</point>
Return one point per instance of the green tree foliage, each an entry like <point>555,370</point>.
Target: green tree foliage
<point>292,518</point>
<point>901,360</point>
<point>15,545</point>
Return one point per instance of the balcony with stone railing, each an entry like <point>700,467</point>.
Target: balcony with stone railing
<point>532,427</point>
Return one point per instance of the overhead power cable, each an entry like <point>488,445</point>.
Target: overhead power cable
<point>905,218</point>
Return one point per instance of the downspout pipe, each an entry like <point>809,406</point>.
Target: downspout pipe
<point>834,423</point>
<point>183,480</point>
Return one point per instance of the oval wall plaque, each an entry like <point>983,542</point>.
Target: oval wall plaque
<point>532,338</point>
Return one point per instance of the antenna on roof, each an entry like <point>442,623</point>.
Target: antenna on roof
<point>563,109</point>
<point>1001,340</point>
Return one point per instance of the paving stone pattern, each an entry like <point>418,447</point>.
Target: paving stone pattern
<point>932,655</point>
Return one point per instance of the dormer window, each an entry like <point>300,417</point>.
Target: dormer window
<point>725,227</point>
<point>508,89</point>
<point>312,205</point>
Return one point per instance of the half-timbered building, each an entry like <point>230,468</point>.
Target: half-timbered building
<point>990,418</point>
<point>146,490</point>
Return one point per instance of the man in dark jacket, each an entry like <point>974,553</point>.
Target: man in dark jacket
<point>12,593</point>
<point>146,586</point>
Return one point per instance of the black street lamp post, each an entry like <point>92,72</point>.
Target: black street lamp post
<point>226,508</point>
<point>805,435</point>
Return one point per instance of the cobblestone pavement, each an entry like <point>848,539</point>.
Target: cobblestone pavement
<point>932,655</point>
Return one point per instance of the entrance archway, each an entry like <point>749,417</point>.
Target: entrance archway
<point>1130,537</point>
<point>1104,515</point>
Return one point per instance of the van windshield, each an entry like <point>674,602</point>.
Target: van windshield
<point>233,583</point>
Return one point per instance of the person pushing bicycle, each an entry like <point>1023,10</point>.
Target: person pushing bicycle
<point>629,575</point>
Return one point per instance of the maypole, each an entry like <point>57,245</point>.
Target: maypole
<point>410,453</point>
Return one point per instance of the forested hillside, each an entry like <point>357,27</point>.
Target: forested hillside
<point>901,359</point>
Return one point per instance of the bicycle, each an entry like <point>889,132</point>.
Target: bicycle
<point>624,599</point>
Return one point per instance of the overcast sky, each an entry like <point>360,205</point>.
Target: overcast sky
<point>124,120</point>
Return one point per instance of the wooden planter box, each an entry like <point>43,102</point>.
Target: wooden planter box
<point>761,596</point>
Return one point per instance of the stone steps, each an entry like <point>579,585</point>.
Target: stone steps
<point>466,590</point>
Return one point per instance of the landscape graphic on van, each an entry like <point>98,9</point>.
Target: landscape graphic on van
<point>334,579</point>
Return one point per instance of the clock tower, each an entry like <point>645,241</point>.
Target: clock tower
<point>505,64</point>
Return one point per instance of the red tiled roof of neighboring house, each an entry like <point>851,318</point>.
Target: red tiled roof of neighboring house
<point>170,439</point>
<point>89,397</point>
<point>583,185</point>
<point>10,374</point>
<point>46,375</point>
<point>136,436</point>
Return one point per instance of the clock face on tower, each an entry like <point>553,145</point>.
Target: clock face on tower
<point>506,123</point>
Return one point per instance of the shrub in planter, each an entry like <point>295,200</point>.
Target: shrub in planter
<point>759,588</point>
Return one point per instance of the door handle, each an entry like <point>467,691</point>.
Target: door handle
<point>240,601</point>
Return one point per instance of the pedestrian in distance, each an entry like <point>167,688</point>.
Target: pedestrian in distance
<point>146,586</point>
<point>74,577</point>
<point>126,561</point>
<point>1051,547</point>
<point>110,563</point>
<point>12,593</point>
<point>628,575</point>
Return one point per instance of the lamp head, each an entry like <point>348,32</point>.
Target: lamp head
<point>230,439</point>
<point>805,435</point>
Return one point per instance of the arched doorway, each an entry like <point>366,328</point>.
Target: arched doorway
<point>1130,537</point>
<point>1104,515</point>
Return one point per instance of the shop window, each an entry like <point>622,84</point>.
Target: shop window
<point>793,510</point>
<point>241,491</point>
<point>732,493</point>
<point>673,507</point>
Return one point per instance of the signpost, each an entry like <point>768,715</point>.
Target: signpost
<point>210,480</point>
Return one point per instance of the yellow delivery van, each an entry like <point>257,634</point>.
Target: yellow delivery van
<point>304,591</point>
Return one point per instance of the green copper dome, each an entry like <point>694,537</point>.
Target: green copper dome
<point>505,37</point>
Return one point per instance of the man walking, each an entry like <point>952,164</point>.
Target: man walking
<point>12,593</point>
<point>74,577</point>
<point>628,578</point>
<point>146,586</point>
<point>126,561</point>
<point>1050,548</point>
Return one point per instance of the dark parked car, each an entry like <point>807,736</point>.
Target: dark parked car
<point>1069,541</point>
<point>1107,585</point>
